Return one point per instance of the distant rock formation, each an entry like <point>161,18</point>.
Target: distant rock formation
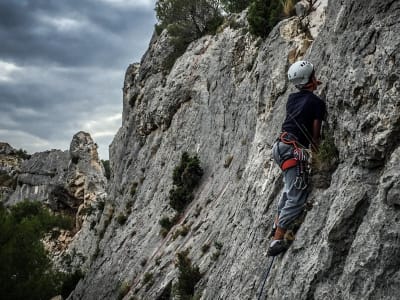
<point>69,182</point>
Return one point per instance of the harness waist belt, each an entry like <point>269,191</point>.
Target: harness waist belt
<point>289,163</point>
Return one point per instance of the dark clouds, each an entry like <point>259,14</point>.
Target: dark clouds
<point>62,65</point>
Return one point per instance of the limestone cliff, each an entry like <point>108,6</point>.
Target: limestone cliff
<point>224,99</point>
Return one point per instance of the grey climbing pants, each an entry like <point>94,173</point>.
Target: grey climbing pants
<point>291,203</point>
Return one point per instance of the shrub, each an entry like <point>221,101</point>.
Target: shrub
<point>166,224</point>
<point>263,16</point>
<point>215,255</point>
<point>123,289</point>
<point>188,276</point>
<point>182,231</point>
<point>179,197</point>
<point>235,6</point>
<point>228,161</point>
<point>218,245</point>
<point>327,156</point>
<point>205,248</point>
<point>185,176</point>
<point>23,154</point>
<point>147,277</point>
<point>134,188</point>
<point>121,219</point>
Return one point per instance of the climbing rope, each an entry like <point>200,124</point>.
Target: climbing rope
<point>265,276</point>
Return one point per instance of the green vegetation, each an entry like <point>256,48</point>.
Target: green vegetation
<point>217,253</point>
<point>147,277</point>
<point>186,21</point>
<point>182,231</point>
<point>186,177</point>
<point>327,156</point>
<point>23,154</point>
<point>26,271</point>
<point>148,280</point>
<point>134,188</point>
<point>235,6</point>
<point>121,219</point>
<point>123,289</point>
<point>218,245</point>
<point>188,277</point>
<point>106,164</point>
<point>166,224</point>
<point>228,161</point>
<point>205,248</point>
<point>263,16</point>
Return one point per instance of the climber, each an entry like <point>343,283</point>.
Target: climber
<point>300,132</point>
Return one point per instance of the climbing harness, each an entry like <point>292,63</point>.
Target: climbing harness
<point>265,276</point>
<point>298,158</point>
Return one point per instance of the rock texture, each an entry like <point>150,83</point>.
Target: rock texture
<point>10,167</point>
<point>224,99</point>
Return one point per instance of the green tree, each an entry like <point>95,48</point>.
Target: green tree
<point>25,269</point>
<point>188,276</point>
<point>263,16</point>
<point>235,6</point>
<point>186,21</point>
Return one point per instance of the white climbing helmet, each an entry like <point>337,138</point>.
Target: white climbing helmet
<point>300,72</point>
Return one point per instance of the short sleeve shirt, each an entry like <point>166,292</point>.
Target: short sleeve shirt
<point>302,109</point>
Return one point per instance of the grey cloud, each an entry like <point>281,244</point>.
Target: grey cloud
<point>68,78</point>
<point>28,39</point>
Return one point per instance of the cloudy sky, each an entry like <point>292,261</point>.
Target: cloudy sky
<point>62,65</point>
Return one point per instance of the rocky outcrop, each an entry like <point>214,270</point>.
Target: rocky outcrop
<point>10,167</point>
<point>224,99</point>
<point>70,182</point>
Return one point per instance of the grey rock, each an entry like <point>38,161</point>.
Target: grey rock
<point>225,97</point>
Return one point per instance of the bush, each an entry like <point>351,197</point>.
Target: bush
<point>26,271</point>
<point>327,156</point>
<point>235,6</point>
<point>188,276</point>
<point>23,154</point>
<point>166,224</point>
<point>263,16</point>
<point>121,219</point>
<point>123,289</point>
<point>186,177</point>
<point>134,188</point>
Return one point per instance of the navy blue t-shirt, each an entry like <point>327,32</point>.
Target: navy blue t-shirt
<point>302,109</point>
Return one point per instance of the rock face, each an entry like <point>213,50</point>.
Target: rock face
<point>224,99</point>
<point>10,167</point>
